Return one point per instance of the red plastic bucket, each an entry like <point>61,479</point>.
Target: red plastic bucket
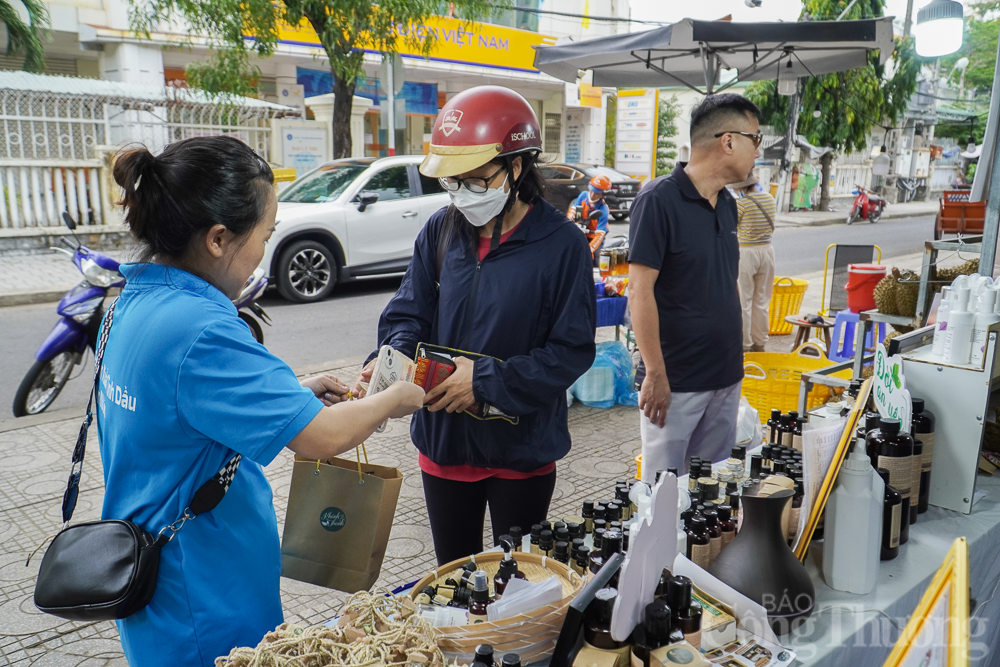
<point>861,282</point>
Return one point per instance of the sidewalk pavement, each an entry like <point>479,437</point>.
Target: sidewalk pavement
<point>34,461</point>
<point>39,277</point>
<point>820,218</point>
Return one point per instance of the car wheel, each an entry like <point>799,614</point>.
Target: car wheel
<point>307,272</point>
<point>620,216</point>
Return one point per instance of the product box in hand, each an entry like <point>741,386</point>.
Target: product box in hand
<point>439,364</point>
<point>390,366</point>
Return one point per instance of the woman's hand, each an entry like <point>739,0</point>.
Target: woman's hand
<point>407,396</point>
<point>363,379</point>
<point>454,394</point>
<point>327,388</point>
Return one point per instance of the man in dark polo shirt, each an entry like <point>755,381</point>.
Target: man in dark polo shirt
<point>684,266</point>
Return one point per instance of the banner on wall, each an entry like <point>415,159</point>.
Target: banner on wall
<point>456,41</point>
<point>421,98</point>
<point>635,136</point>
<point>574,136</point>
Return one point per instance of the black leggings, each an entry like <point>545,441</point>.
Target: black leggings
<point>457,510</point>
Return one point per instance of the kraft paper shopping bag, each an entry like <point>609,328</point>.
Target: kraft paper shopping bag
<point>338,522</point>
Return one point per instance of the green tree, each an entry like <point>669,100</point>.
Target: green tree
<point>27,37</point>
<point>345,29</point>
<point>851,102</point>
<point>666,130</point>
<point>610,130</point>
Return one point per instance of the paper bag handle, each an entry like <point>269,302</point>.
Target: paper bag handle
<point>361,474</point>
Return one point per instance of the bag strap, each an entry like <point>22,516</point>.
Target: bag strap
<point>206,498</point>
<point>766,214</point>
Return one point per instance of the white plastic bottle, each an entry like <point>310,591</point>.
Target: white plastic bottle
<point>985,316</point>
<point>853,527</point>
<point>958,345</point>
<point>941,328</point>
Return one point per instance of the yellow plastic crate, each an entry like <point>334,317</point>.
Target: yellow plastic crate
<point>772,379</point>
<point>786,299</point>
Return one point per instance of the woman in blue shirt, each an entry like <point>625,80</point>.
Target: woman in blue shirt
<point>184,385</point>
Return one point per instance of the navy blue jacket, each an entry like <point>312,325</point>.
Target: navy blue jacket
<point>534,309</point>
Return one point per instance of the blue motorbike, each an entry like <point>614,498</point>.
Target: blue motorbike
<point>81,311</point>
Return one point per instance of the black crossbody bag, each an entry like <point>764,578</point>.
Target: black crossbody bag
<point>106,570</point>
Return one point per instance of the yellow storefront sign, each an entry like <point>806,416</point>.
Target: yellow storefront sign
<point>456,41</point>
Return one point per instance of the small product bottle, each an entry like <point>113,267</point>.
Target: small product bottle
<point>694,469</point>
<point>985,316</point>
<point>709,489</point>
<point>510,660</point>
<point>561,552</point>
<point>726,525</point>
<point>652,633</point>
<point>894,451</point>
<point>562,535</point>
<point>796,512</point>
<point>735,464</point>
<point>597,625</point>
<point>714,533</point>
<point>508,568</point>
<point>588,516</point>
<point>545,543</point>
<point>916,461</point>
<point>941,328</point>
<point>600,512</point>
<point>779,467</point>
<point>786,430</point>
<point>871,430</point>
<point>621,496</point>
<point>685,612</point>
<point>852,537</point>
<point>581,562</point>
<point>613,512</point>
<point>536,533</point>
<point>961,320</point>
<point>574,547</point>
<point>892,508</point>
<point>698,542</point>
<point>923,423</point>
<point>426,596</point>
<point>557,526</point>
<point>765,453</point>
<point>599,538</point>
<point>756,465</point>
<point>480,597</point>
<point>596,561</point>
<point>517,538</point>
<point>613,543</point>
<point>772,427</point>
<point>797,431</point>
<point>484,654</point>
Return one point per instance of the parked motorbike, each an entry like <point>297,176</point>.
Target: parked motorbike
<point>594,237</point>
<point>82,310</point>
<point>867,204</point>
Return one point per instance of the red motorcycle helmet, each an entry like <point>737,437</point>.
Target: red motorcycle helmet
<point>477,126</point>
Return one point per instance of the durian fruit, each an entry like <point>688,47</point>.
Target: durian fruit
<point>949,274</point>
<point>893,297</point>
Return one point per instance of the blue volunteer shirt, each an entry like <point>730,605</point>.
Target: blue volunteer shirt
<point>602,206</point>
<point>183,386</point>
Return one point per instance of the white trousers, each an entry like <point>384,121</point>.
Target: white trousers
<point>701,423</point>
<point>756,282</point>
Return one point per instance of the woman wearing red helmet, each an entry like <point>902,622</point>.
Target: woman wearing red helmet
<point>503,274</point>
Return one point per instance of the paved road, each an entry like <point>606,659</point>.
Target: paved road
<point>344,325</point>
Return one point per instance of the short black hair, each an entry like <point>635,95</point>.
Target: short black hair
<point>192,185</point>
<point>715,111</point>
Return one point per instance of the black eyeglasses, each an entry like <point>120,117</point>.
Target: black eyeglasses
<point>755,138</point>
<point>472,184</point>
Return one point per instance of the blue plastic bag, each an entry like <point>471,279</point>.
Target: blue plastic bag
<point>610,380</point>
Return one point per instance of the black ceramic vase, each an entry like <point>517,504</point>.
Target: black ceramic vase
<point>759,564</point>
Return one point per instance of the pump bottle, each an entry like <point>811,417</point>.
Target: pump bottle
<point>958,344</point>
<point>985,316</point>
<point>854,527</point>
<point>941,328</point>
<point>508,568</point>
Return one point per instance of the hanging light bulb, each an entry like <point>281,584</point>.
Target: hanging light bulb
<point>816,112</point>
<point>938,30</point>
<point>880,167</point>
<point>971,147</point>
<point>788,83</point>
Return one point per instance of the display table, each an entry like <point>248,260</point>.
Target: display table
<point>611,312</point>
<point>836,636</point>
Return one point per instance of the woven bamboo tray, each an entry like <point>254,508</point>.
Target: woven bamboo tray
<point>532,636</point>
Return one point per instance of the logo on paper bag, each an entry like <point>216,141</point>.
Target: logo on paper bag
<point>332,519</point>
<point>450,122</point>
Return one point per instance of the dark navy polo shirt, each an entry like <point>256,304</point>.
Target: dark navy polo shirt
<point>674,229</point>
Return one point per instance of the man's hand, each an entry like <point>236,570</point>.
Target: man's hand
<point>327,388</point>
<point>363,379</point>
<point>654,397</point>
<point>456,392</point>
<point>407,396</point>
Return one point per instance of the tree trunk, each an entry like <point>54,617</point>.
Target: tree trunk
<point>824,189</point>
<point>343,97</point>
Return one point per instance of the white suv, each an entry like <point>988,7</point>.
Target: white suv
<point>347,219</point>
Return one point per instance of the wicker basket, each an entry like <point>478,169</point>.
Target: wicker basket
<point>532,636</point>
<point>773,379</point>
<point>786,299</point>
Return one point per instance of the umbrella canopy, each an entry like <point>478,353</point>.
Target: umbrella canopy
<point>693,53</point>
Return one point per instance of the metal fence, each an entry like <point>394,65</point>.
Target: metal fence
<point>54,148</point>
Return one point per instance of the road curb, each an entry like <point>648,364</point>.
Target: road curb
<point>28,297</point>
<point>886,215</point>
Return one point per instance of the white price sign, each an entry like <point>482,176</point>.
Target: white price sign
<point>635,152</point>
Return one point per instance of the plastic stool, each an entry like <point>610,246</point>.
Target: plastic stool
<point>843,335</point>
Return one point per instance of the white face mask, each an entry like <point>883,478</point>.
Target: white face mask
<point>478,208</point>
